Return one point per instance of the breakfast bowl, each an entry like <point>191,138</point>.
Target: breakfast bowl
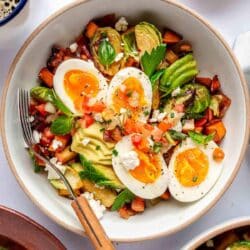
<point>213,56</point>
<point>232,234</point>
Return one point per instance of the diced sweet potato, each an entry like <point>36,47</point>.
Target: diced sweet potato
<point>206,81</point>
<point>218,128</point>
<point>171,57</point>
<point>66,155</point>
<point>138,205</point>
<point>46,76</point>
<point>91,29</point>
<point>166,195</point>
<point>171,37</point>
<point>215,85</point>
<point>126,212</point>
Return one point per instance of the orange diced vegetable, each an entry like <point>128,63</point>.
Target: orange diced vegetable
<point>164,126</point>
<point>171,37</point>
<point>41,109</point>
<point>218,128</point>
<point>46,76</point>
<point>156,98</point>
<point>91,29</point>
<point>218,154</point>
<point>204,81</point>
<point>166,195</point>
<point>97,107</point>
<point>215,85</point>
<point>66,155</point>
<point>124,213</point>
<point>157,134</point>
<point>131,62</point>
<point>171,57</point>
<point>138,204</point>
<point>116,134</point>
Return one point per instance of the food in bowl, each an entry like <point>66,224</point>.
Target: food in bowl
<point>235,239</point>
<point>124,115</point>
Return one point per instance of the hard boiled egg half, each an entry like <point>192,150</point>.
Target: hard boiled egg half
<point>143,173</point>
<point>130,89</point>
<point>193,171</point>
<point>75,79</point>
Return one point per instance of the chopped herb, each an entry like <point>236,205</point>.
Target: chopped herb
<point>102,129</point>
<point>106,53</point>
<point>195,178</point>
<point>157,147</point>
<point>177,135</point>
<point>126,196</point>
<point>172,115</point>
<point>146,112</point>
<point>129,94</point>
<point>98,147</point>
<point>114,152</point>
<point>200,138</point>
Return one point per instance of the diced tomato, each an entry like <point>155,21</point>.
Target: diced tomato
<point>138,205</point>
<point>201,122</point>
<point>157,134</point>
<point>126,212</point>
<point>41,109</point>
<point>39,162</point>
<point>97,107</point>
<point>215,86</point>
<point>204,81</point>
<point>116,134</point>
<point>48,134</point>
<point>89,120</point>
<point>164,126</point>
<point>148,127</point>
<point>166,195</point>
<point>209,114</point>
<point>44,141</point>
<point>130,126</point>
<point>46,76</point>
<point>179,108</point>
<point>136,139</point>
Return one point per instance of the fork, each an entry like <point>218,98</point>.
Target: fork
<point>84,212</point>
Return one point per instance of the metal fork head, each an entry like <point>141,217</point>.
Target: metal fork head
<point>23,108</point>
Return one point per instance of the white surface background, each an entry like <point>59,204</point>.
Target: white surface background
<point>230,17</point>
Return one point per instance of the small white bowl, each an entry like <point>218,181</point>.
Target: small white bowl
<point>214,57</point>
<point>216,231</point>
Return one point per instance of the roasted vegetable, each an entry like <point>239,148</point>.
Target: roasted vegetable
<point>217,127</point>
<point>91,29</point>
<point>130,48</point>
<point>182,48</point>
<point>46,76</point>
<point>66,155</point>
<point>126,196</point>
<point>171,37</point>
<point>201,98</point>
<point>147,37</point>
<point>177,74</point>
<point>219,105</point>
<point>105,46</point>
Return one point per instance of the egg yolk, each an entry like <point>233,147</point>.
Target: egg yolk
<point>149,168</point>
<point>78,84</point>
<point>130,95</point>
<point>191,167</point>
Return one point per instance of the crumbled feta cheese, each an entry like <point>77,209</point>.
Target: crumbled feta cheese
<point>56,144</point>
<point>178,126</point>
<point>210,243</point>
<point>85,141</point>
<point>50,108</point>
<point>100,187</point>
<point>98,117</point>
<point>37,136</point>
<point>96,205</point>
<point>176,92</point>
<point>119,57</point>
<point>121,24</point>
<point>73,47</point>
<point>134,100</point>
<point>52,175</point>
<point>123,88</point>
<point>123,110</point>
<point>157,116</point>
<point>130,160</point>
<point>31,118</point>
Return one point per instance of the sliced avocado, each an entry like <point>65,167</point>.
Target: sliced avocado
<point>240,245</point>
<point>73,178</point>
<point>94,133</point>
<point>147,37</point>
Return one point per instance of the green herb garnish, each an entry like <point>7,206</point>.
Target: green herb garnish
<point>151,61</point>
<point>125,196</point>
<point>98,147</point>
<point>62,125</point>
<point>177,135</point>
<point>146,112</point>
<point>195,178</point>
<point>114,152</point>
<point>156,76</point>
<point>106,53</point>
<point>157,147</point>
<point>200,138</point>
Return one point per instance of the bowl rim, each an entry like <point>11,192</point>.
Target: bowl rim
<point>181,226</point>
<point>14,13</point>
<point>216,231</point>
<point>12,213</point>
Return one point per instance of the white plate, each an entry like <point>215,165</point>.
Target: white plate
<point>213,56</point>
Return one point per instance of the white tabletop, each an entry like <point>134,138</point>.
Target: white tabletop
<point>231,17</point>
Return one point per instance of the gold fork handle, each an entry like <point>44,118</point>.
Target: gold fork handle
<point>101,242</point>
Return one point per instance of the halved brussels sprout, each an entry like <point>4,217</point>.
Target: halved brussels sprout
<point>147,37</point>
<point>130,48</point>
<point>114,39</point>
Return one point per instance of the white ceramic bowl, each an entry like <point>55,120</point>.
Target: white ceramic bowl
<point>213,56</point>
<point>216,231</point>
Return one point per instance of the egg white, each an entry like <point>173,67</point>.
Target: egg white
<point>189,194</point>
<point>121,76</point>
<point>77,64</point>
<point>143,190</point>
